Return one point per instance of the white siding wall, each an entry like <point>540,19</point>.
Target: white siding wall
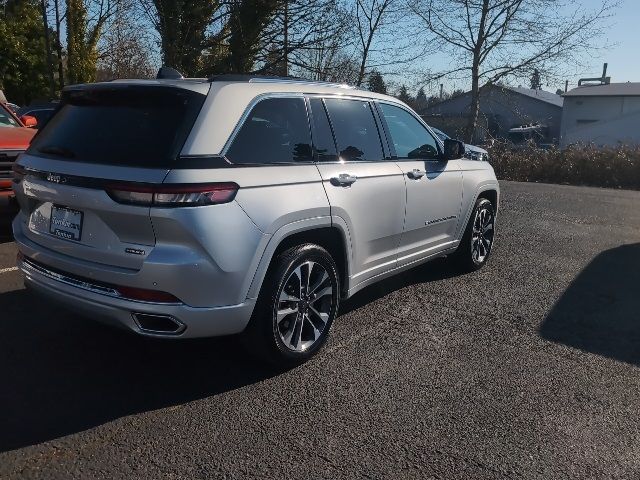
<point>615,120</point>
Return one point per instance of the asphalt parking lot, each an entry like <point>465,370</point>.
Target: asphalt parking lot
<point>526,369</point>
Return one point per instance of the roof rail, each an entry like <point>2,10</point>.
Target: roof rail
<point>232,77</point>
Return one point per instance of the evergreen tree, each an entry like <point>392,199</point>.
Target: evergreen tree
<point>23,65</point>
<point>182,26</point>
<point>421,99</point>
<point>403,95</point>
<point>82,40</point>
<point>536,81</point>
<point>376,82</point>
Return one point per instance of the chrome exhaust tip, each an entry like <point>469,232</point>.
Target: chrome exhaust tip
<point>159,324</point>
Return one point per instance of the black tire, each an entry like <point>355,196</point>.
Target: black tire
<point>308,324</point>
<point>477,242</point>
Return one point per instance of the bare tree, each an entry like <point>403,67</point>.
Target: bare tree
<point>125,48</point>
<point>370,16</point>
<point>491,40</point>
<point>297,30</point>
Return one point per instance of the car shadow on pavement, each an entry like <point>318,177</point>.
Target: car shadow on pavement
<point>61,373</point>
<point>6,235</point>
<point>600,311</point>
<point>438,269</point>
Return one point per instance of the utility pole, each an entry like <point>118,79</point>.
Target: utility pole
<point>47,43</point>
<point>441,90</point>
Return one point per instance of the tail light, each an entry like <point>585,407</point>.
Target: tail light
<point>184,195</point>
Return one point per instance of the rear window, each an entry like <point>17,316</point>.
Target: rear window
<point>131,126</point>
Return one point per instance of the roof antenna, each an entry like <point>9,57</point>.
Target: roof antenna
<point>168,73</point>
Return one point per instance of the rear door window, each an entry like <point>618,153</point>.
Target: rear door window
<point>323,141</point>
<point>355,129</point>
<point>275,131</point>
<point>130,126</point>
<point>410,138</point>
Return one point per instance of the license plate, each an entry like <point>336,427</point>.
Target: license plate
<point>66,223</point>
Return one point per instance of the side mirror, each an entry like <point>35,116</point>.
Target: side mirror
<point>29,121</point>
<point>453,149</point>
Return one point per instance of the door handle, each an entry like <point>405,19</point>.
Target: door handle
<point>416,174</point>
<point>343,180</point>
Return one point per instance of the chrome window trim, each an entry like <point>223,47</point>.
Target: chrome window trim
<point>308,95</point>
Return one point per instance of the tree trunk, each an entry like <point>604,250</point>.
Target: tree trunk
<point>47,44</point>
<point>59,45</point>
<point>472,120</point>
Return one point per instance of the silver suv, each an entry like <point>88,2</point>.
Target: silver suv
<point>203,207</point>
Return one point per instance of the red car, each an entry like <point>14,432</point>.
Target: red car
<point>15,136</point>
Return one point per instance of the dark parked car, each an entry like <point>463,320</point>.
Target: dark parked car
<point>42,112</point>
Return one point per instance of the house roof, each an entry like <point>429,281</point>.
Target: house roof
<point>607,90</point>
<point>540,95</point>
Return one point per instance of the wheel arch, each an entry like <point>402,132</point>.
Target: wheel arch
<point>490,191</point>
<point>320,232</point>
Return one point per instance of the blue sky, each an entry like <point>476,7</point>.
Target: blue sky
<point>622,53</point>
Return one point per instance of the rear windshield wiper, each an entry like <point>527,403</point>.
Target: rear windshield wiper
<point>59,151</point>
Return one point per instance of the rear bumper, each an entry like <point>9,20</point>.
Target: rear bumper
<point>198,322</point>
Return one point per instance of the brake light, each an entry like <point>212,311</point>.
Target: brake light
<point>173,195</point>
<point>144,295</point>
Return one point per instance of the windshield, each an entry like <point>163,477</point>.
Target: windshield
<point>6,119</point>
<point>133,126</point>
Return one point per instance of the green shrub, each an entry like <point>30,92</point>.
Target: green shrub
<point>617,167</point>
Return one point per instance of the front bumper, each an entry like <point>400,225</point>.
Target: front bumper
<point>198,322</point>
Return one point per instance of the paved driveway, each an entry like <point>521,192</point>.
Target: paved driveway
<point>526,369</point>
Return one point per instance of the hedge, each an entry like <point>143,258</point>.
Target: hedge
<point>617,167</point>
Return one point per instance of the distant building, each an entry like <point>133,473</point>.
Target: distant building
<point>505,112</point>
<point>604,115</point>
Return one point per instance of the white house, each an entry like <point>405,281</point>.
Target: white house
<point>604,115</point>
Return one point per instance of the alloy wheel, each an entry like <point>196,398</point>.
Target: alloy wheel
<point>304,306</point>
<point>482,233</point>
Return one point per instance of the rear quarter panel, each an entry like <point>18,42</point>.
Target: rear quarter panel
<point>279,200</point>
